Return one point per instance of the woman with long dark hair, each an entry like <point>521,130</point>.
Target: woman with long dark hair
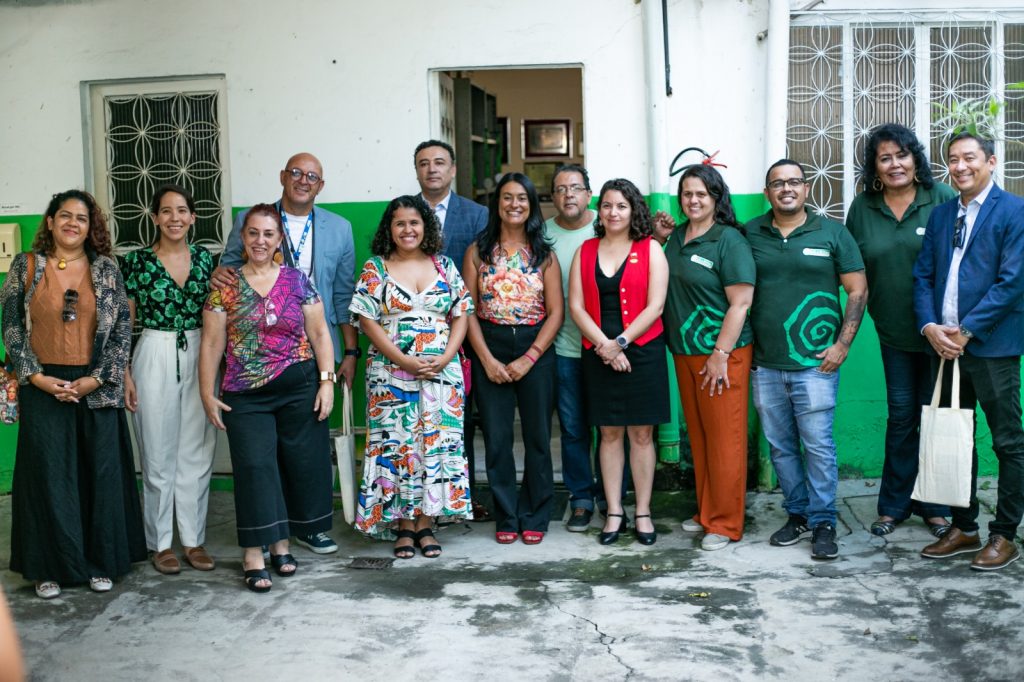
<point>888,221</point>
<point>66,327</point>
<point>167,284</point>
<point>616,296</point>
<point>513,276</point>
<point>411,302</point>
<point>710,289</point>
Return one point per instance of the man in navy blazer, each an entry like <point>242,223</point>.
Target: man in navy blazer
<point>461,221</point>
<point>969,303</point>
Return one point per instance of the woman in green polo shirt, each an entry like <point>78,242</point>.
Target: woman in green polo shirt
<point>888,221</point>
<point>711,287</point>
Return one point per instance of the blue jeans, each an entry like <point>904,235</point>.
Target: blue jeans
<point>797,408</point>
<point>577,469</point>
<point>908,385</point>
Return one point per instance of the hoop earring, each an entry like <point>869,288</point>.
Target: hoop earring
<point>877,185</point>
<point>917,180</point>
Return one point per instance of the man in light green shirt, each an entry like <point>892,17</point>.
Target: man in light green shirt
<point>574,224</point>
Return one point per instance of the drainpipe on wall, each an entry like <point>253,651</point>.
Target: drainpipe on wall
<point>655,49</point>
<point>776,116</point>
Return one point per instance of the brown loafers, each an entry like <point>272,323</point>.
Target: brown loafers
<point>952,543</point>
<point>998,553</point>
<point>166,562</point>
<point>198,559</point>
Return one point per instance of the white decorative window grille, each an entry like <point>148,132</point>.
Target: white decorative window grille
<point>849,72</point>
<point>148,134</point>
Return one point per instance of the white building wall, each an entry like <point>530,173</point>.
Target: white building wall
<point>349,80</point>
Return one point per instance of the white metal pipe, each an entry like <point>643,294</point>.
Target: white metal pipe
<point>777,79</point>
<point>657,103</point>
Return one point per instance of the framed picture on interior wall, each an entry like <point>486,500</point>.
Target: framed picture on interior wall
<point>541,175</point>
<point>505,139</point>
<point>547,137</point>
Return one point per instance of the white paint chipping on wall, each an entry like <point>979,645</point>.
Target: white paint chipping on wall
<point>348,80</point>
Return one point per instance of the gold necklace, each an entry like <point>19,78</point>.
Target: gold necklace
<point>62,263</point>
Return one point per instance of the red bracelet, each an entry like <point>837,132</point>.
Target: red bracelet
<point>537,348</point>
<point>533,360</point>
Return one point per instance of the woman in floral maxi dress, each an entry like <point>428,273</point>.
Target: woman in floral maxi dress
<point>412,304</point>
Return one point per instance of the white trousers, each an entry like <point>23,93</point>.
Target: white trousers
<point>176,441</point>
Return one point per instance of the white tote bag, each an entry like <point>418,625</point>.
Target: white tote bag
<point>947,443</point>
<point>345,449</point>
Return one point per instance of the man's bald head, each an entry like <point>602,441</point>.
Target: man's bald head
<point>302,179</point>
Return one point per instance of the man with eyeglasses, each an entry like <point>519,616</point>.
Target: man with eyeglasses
<point>573,225</point>
<point>461,221</point>
<point>319,243</point>
<point>969,304</point>
<point>801,337</point>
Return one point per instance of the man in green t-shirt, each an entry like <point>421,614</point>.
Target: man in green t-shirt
<point>574,224</point>
<point>801,337</point>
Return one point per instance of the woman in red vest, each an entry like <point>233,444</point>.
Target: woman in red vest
<point>616,294</point>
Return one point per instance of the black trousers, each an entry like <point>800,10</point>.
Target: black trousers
<point>993,383</point>
<point>280,457</point>
<point>534,395</point>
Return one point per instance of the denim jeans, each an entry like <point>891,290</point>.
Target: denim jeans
<point>577,467</point>
<point>797,407</point>
<point>908,386</point>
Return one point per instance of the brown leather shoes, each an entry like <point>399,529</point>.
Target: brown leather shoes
<point>953,543</point>
<point>998,553</point>
<point>166,562</point>
<point>198,559</point>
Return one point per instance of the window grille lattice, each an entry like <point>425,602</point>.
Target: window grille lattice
<point>850,73</point>
<point>154,139</point>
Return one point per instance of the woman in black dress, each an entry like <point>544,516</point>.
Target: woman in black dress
<point>616,294</point>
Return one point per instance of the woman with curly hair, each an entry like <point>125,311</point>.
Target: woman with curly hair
<point>888,221</point>
<point>616,294</point>
<point>412,304</point>
<point>75,506</point>
<point>513,275</point>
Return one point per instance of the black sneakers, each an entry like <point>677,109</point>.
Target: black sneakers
<point>791,533</point>
<point>579,522</point>
<point>823,542</point>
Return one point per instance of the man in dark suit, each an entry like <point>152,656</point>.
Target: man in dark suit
<point>969,303</point>
<point>461,221</point>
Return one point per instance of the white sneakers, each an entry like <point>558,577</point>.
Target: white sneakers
<point>713,541</point>
<point>691,526</point>
<point>47,589</point>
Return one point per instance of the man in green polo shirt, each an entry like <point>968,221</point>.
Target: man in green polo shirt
<point>801,337</point>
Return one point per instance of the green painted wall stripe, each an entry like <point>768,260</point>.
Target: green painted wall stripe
<point>861,413</point>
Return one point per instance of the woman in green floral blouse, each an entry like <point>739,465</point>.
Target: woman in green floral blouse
<point>167,284</point>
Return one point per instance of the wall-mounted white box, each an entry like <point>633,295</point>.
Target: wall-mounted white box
<point>10,244</point>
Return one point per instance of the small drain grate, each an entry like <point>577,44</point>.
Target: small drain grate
<point>372,563</point>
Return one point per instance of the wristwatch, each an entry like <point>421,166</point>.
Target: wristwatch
<point>329,376</point>
<point>621,340</point>
<point>966,332</point>
<point>356,352</point>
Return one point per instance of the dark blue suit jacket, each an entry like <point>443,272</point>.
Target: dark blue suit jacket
<point>991,279</point>
<point>463,222</point>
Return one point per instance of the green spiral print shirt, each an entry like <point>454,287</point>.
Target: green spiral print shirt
<point>796,312</point>
<point>698,272</point>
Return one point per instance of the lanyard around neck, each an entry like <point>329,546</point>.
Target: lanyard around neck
<point>296,251</point>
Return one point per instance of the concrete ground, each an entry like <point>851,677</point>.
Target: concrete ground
<point>567,609</point>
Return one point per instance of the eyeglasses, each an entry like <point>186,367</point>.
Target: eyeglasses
<point>792,183</point>
<point>959,232</point>
<point>69,314</point>
<point>562,190</point>
<point>269,312</point>
<point>297,174</point>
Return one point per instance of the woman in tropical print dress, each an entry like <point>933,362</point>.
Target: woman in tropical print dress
<point>413,305</point>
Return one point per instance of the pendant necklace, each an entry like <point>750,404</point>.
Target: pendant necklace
<point>62,263</point>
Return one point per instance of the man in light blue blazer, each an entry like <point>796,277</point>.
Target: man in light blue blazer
<point>320,244</point>
<point>461,221</point>
<point>969,304</point>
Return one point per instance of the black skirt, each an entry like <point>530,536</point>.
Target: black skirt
<point>75,510</point>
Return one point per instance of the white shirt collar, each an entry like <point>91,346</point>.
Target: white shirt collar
<point>443,204</point>
<point>980,199</point>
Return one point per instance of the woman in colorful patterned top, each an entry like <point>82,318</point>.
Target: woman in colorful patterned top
<point>274,400</point>
<point>513,275</point>
<point>710,289</point>
<point>619,315</point>
<point>75,514</point>
<point>412,304</point>
<point>167,284</point>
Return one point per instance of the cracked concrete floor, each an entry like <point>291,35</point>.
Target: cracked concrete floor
<point>567,609</point>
